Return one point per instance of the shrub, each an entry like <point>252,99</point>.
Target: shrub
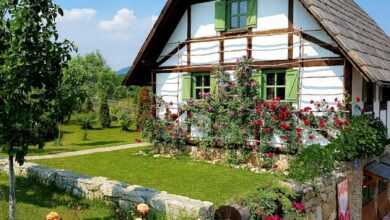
<point>125,121</point>
<point>363,138</point>
<point>313,161</point>
<point>274,200</point>
<point>144,107</point>
<point>104,114</point>
<point>86,121</point>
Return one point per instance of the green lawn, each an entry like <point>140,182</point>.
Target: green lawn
<point>35,202</point>
<point>180,176</point>
<point>97,137</point>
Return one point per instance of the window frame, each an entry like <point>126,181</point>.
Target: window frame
<point>194,87</point>
<point>238,15</point>
<point>275,86</point>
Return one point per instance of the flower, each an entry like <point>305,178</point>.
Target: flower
<point>299,206</point>
<point>272,217</point>
<point>307,122</point>
<point>312,137</point>
<point>307,109</point>
<point>322,123</point>
<point>311,102</point>
<point>269,155</point>
<point>357,99</point>
<point>174,116</point>
<point>143,209</point>
<point>285,126</point>
<point>259,122</point>
<point>53,216</point>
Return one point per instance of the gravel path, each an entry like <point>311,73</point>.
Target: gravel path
<point>86,152</point>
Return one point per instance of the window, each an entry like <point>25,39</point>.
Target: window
<point>200,85</point>
<point>368,190</point>
<point>275,85</point>
<point>382,186</point>
<point>238,14</point>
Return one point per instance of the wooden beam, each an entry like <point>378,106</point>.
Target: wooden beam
<point>348,77</point>
<point>170,54</point>
<point>189,34</point>
<point>257,65</point>
<point>249,45</point>
<point>290,29</point>
<point>221,52</point>
<point>321,43</point>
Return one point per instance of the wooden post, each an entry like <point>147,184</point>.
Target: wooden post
<point>376,102</point>
<point>388,119</point>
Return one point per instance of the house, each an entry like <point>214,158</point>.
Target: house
<point>302,50</point>
<point>317,50</point>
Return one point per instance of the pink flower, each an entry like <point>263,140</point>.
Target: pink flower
<point>312,137</point>
<point>307,109</point>
<point>269,155</point>
<point>272,217</point>
<point>299,206</point>
<point>259,122</point>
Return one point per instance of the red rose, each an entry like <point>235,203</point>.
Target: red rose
<point>299,206</point>
<point>272,217</point>
<point>285,126</point>
<point>259,122</point>
<point>307,109</point>
<point>322,123</point>
<point>174,116</point>
<point>306,122</point>
<point>283,115</point>
<point>357,99</point>
<point>269,155</point>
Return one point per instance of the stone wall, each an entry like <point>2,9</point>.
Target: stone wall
<point>123,195</point>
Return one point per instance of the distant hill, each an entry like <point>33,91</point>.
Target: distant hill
<point>123,71</point>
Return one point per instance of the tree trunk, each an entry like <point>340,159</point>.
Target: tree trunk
<point>11,180</point>
<point>59,138</point>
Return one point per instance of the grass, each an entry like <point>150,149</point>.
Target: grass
<point>97,137</point>
<point>35,201</point>
<point>181,176</point>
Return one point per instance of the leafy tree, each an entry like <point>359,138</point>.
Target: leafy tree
<point>71,94</point>
<point>31,63</point>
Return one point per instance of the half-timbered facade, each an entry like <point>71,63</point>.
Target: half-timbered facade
<point>302,50</point>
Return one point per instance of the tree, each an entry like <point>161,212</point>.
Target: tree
<point>71,94</point>
<point>31,63</point>
<point>104,113</point>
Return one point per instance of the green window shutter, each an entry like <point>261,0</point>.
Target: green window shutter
<point>252,13</point>
<point>213,84</point>
<point>186,86</point>
<point>220,15</point>
<point>292,85</point>
<point>258,77</point>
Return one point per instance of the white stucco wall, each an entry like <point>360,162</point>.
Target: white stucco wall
<point>202,20</point>
<point>205,53</point>
<point>168,87</point>
<point>235,49</point>
<point>273,47</point>
<point>318,83</point>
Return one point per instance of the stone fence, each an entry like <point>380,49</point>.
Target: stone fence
<point>122,195</point>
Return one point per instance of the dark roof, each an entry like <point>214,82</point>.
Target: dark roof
<point>380,168</point>
<point>362,41</point>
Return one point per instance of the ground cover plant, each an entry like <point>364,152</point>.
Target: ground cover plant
<point>34,202</point>
<point>180,176</point>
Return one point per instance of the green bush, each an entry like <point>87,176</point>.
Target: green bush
<point>86,121</point>
<point>125,121</point>
<point>313,161</point>
<point>363,138</point>
<point>104,114</point>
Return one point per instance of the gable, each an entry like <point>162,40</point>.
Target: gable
<point>308,14</point>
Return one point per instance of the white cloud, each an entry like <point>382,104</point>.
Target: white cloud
<point>121,22</point>
<point>78,14</point>
<point>117,38</point>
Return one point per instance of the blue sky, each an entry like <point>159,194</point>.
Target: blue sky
<point>117,28</point>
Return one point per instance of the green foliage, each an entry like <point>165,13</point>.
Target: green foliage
<point>363,138</point>
<point>104,114</point>
<point>125,121</point>
<point>31,63</point>
<point>271,200</point>
<point>313,161</point>
<point>86,121</point>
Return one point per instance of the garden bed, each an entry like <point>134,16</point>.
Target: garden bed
<point>181,176</point>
